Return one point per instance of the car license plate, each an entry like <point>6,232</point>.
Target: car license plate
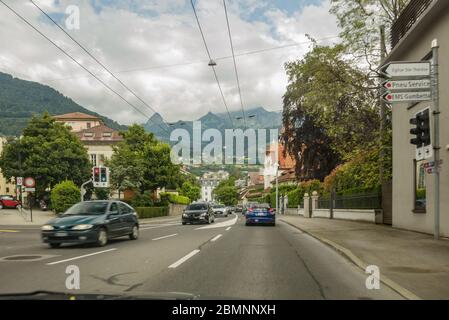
<point>260,214</point>
<point>256,220</point>
<point>61,234</point>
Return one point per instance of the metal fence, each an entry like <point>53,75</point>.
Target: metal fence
<point>407,19</point>
<point>361,201</point>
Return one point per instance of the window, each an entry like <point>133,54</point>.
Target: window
<point>124,209</point>
<point>420,197</point>
<point>113,208</point>
<point>89,125</point>
<point>107,134</point>
<point>88,134</point>
<point>93,159</point>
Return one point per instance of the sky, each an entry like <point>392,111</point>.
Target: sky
<point>156,49</point>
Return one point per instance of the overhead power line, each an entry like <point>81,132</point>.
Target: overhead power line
<point>77,62</point>
<point>95,59</point>
<point>235,64</point>
<point>210,59</point>
<point>181,64</point>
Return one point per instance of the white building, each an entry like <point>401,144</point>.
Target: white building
<point>209,181</point>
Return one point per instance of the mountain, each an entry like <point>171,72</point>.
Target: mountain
<point>257,118</point>
<point>21,99</point>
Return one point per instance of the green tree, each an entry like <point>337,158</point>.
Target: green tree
<point>226,192</point>
<point>360,22</point>
<point>64,195</point>
<point>48,152</point>
<point>141,162</point>
<point>192,191</point>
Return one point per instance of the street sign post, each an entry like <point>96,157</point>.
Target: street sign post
<point>418,69</point>
<point>402,85</point>
<point>19,181</point>
<point>29,182</point>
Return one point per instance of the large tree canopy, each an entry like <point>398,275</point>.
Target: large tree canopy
<point>48,152</point>
<point>141,162</point>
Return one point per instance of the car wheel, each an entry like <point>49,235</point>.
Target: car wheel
<point>54,245</point>
<point>134,235</point>
<point>102,237</point>
<point>1,206</point>
<point>184,223</point>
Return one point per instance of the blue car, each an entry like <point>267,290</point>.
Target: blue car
<point>260,213</point>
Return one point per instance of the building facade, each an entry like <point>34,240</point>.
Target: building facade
<point>94,135</point>
<point>209,181</point>
<point>6,187</point>
<point>421,23</point>
<point>286,163</point>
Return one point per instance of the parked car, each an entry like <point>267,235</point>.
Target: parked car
<point>238,209</point>
<point>92,222</point>
<point>200,212</point>
<point>260,214</point>
<point>7,201</point>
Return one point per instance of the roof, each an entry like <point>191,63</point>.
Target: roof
<point>288,176</point>
<point>76,116</point>
<point>99,133</point>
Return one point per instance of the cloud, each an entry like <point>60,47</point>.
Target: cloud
<point>148,34</point>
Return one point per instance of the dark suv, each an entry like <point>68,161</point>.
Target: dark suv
<point>200,212</point>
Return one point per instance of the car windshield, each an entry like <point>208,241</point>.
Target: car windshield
<point>219,206</point>
<point>197,206</point>
<point>87,208</point>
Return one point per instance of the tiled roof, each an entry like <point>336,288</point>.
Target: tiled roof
<point>99,133</point>
<point>76,116</point>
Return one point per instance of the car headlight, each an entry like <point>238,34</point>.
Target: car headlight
<point>82,227</point>
<point>185,215</point>
<point>203,214</point>
<point>47,227</point>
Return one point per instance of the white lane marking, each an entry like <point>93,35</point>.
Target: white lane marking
<point>159,226</point>
<point>80,257</point>
<point>216,238</point>
<point>220,225</point>
<point>165,237</point>
<point>228,228</point>
<point>184,259</point>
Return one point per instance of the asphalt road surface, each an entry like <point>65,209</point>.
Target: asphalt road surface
<point>225,260</point>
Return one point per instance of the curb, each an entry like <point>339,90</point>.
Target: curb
<point>359,263</point>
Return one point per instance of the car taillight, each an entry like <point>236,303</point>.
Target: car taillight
<point>271,210</point>
<point>250,210</point>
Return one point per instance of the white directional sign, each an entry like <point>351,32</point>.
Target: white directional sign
<point>398,85</point>
<point>419,69</point>
<point>397,97</point>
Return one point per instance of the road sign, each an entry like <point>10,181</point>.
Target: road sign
<point>404,85</point>
<point>419,69</point>
<point>30,189</point>
<point>401,97</point>
<point>19,181</point>
<point>29,182</point>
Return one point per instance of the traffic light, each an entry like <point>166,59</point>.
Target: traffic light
<point>103,175</point>
<point>421,131</point>
<point>96,174</point>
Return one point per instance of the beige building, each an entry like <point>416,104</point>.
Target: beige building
<point>420,24</point>
<point>5,186</point>
<point>95,136</point>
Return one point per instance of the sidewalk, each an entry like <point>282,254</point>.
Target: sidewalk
<point>13,217</point>
<point>414,261</point>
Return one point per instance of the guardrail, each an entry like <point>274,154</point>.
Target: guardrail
<point>361,201</point>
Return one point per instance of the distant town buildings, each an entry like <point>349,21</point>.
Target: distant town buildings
<point>209,181</point>
<point>286,171</point>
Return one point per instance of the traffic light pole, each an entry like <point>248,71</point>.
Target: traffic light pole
<point>436,127</point>
<point>83,190</point>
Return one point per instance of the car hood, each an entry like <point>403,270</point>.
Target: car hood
<point>76,219</point>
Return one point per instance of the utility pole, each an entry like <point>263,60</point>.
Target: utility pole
<point>383,111</point>
<point>436,127</point>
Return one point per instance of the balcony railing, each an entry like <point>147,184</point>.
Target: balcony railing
<point>407,19</point>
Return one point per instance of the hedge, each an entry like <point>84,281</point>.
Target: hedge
<point>151,212</point>
<point>64,195</point>
<point>167,198</point>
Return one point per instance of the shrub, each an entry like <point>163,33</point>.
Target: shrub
<point>102,193</point>
<point>142,200</point>
<point>151,212</point>
<point>167,198</point>
<point>64,195</point>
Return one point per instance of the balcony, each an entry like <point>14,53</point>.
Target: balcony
<point>407,19</point>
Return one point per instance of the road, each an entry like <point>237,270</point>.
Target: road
<point>225,260</point>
